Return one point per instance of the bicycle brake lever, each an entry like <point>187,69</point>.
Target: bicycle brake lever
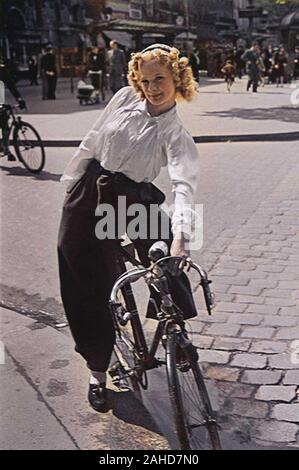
<point>208,295</point>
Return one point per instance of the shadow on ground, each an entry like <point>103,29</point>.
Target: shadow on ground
<point>283,113</point>
<point>19,171</point>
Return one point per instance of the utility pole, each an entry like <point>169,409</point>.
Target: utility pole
<point>250,29</point>
<point>187,17</point>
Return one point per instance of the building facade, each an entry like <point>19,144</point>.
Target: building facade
<point>73,26</point>
<point>137,23</point>
<point>29,25</point>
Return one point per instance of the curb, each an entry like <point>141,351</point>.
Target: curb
<point>277,137</point>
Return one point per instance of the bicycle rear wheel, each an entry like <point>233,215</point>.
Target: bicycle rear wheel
<point>29,147</point>
<point>195,425</point>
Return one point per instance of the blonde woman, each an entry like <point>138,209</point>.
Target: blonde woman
<point>137,134</point>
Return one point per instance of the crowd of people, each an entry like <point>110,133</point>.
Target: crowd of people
<point>262,65</point>
<point>105,68</point>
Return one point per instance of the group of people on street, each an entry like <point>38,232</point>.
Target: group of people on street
<point>100,65</point>
<point>268,65</point>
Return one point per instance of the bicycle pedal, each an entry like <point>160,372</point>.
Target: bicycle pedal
<point>183,366</point>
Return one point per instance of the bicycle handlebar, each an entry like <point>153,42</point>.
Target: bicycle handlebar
<point>132,275</point>
<point>136,273</point>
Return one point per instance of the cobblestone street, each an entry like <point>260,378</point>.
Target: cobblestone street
<point>251,341</point>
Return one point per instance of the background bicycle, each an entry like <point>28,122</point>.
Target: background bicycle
<point>192,413</point>
<point>26,141</point>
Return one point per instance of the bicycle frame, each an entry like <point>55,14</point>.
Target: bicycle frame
<point>169,317</point>
<point>147,356</point>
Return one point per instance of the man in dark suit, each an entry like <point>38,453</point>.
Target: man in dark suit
<point>48,74</point>
<point>252,59</point>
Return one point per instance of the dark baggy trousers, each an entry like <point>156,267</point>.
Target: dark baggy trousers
<point>86,268</point>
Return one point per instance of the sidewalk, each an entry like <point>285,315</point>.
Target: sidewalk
<point>214,114</point>
<point>42,385</point>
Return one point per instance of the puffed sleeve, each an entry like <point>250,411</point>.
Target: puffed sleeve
<point>183,169</point>
<point>86,150</point>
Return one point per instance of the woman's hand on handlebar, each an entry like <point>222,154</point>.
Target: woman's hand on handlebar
<point>178,249</point>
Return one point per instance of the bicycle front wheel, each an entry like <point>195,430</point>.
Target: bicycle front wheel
<point>195,425</point>
<point>29,147</point>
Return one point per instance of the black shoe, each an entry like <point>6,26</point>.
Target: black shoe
<point>97,397</point>
<point>10,157</point>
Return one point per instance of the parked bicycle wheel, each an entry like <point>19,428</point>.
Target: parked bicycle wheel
<point>29,147</point>
<point>193,414</point>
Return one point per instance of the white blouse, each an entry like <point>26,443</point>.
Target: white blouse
<point>127,139</point>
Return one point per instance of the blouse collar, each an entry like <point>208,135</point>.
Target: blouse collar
<point>141,105</point>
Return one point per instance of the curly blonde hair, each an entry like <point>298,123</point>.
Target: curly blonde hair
<point>185,84</point>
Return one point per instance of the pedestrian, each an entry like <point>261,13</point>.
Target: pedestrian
<point>252,59</point>
<point>194,64</point>
<point>6,78</point>
<point>296,64</point>
<point>97,69</point>
<point>32,66</point>
<point>117,66</point>
<point>137,134</point>
<point>280,62</point>
<point>268,57</point>
<point>239,62</point>
<point>229,74</point>
<point>48,74</point>
<point>193,60</point>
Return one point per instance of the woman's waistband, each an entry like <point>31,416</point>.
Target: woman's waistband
<point>116,176</point>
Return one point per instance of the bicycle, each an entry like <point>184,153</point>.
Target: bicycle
<point>27,143</point>
<point>194,418</point>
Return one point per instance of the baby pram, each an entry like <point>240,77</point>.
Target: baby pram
<point>86,93</point>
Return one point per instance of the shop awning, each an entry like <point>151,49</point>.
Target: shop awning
<point>186,36</point>
<point>123,38</point>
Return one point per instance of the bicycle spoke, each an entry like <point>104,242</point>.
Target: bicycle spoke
<point>195,400</point>
<point>192,409</point>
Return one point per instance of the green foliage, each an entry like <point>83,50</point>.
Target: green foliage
<point>278,8</point>
<point>277,3</point>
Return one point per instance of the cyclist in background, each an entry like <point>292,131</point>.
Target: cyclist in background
<point>6,78</point>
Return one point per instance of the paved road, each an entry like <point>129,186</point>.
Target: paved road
<point>250,198</point>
